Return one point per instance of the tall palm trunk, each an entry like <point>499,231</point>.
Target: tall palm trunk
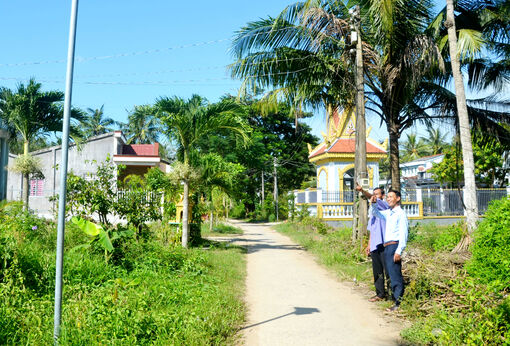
<point>211,213</point>
<point>465,133</point>
<point>25,179</point>
<point>394,158</point>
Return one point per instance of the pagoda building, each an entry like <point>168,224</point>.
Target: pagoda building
<point>334,157</point>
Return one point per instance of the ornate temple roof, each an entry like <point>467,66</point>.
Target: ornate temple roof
<point>339,142</point>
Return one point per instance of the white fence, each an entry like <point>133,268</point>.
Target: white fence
<point>418,203</point>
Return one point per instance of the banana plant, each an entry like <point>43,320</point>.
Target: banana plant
<point>97,233</point>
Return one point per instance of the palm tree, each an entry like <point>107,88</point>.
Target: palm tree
<point>30,113</point>
<point>435,141</point>
<point>186,122</point>
<point>413,147</point>
<point>464,130</point>
<point>95,123</point>
<point>217,176</point>
<point>305,50</point>
<point>466,21</point>
<point>493,72</point>
<point>143,126</point>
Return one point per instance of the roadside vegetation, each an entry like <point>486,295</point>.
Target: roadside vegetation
<point>451,299</point>
<point>146,291</point>
<point>220,230</point>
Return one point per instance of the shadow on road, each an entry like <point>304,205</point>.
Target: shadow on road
<point>297,311</point>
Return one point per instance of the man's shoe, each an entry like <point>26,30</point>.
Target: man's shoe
<point>375,299</point>
<point>393,308</point>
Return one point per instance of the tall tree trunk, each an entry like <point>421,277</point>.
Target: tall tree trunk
<point>211,213</point>
<point>394,159</point>
<point>465,133</point>
<point>26,176</point>
<point>185,212</point>
<point>262,189</point>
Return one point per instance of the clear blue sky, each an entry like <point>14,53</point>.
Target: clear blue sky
<point>172,48</point>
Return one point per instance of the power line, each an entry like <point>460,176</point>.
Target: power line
<point>167,82</point>
<point>134,53</point>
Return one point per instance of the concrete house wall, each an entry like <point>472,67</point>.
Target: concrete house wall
<point>79,162</point>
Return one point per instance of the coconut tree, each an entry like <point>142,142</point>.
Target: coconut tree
<point>143,126</point>
<point>435,141</point>
<point>462,37</point>
<point>413,147</point>
<point>95,123</point>
<point>30,113</point>
<point>187,121</point>
<point>306,48</point>
<point>494,71</point>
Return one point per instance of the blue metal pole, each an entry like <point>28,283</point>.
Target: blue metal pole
<point>63,172</point>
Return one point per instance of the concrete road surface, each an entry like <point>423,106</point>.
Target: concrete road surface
<point>294,301</point>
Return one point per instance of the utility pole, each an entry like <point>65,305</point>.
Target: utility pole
<point>275,192</point>
<point>360,157</point>
<point>263,192</point>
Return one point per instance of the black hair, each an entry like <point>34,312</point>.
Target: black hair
<point>379,188</point>
<point>396,192</point>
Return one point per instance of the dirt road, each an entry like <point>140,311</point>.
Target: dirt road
<point>293,301</point>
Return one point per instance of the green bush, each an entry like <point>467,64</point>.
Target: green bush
<point>315,224</point>
<point>238,211</point>
<point>449,238</point>
<point>433,237</point>
<point>226,229</point>
<point>147,293</point>
<point>483,320</point>
<point>491,256</point>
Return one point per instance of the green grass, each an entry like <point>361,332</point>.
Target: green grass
<point>220,230</point>
<point>445,305</point>
<point>147,294</point>
<point>332,248</point>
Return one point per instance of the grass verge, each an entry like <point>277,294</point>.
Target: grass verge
<point>146,293</point>
<point>220,230</point>
<point>445,305</point>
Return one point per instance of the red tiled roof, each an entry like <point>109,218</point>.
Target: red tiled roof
<point>346,145</point>
<point>141,149</point>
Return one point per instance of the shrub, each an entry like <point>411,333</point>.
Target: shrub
<point>227,229</point>
<point>238,211</point>
<point>491,258</point>
<point>432,237</point>
<point>315,224</point>
<point>449,238</point>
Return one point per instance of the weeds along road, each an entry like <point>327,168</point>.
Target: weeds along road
<point>293,301</point>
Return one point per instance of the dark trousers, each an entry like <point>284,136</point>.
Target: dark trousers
<point>380,273</point>
<point>395,272</point>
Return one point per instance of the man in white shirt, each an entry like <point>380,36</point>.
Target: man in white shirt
<point>395,240</point>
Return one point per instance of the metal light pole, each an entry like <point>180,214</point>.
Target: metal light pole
<point>360,157</point>
<point>63,172</point>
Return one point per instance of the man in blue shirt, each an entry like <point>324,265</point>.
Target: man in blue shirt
<point>376,227</point>
<point>395,240</point>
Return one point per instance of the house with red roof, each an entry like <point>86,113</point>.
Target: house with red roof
<point>136,158</point>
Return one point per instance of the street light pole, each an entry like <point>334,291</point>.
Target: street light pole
<point>63,173</point>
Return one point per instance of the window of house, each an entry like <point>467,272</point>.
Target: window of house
<point>36,187</point>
